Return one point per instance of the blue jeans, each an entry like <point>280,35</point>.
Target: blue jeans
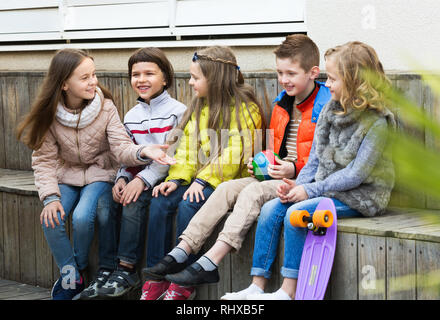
<point>131,230</point>
<point>272,217</point>
<point>133,227</point>
<point>83,202</point>
<point>160,223</point>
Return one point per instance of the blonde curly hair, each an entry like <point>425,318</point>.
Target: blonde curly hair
<point>354,61</point>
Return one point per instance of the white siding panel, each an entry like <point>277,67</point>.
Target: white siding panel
<point>137,15</point>
<point>37,20</point>
<point>213,12</point>
<point>74,3</point>
<point>27,4</point>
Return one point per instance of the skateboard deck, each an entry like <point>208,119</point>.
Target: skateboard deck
<point>317,257</point>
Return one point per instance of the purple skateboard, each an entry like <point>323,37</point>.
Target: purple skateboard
<point>318,254</point>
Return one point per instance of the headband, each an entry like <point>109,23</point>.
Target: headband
<point>200,57</point>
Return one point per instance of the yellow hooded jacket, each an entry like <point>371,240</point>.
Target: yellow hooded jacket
<point>191,154</point>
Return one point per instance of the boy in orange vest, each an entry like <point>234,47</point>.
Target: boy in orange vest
<point>293,123</point>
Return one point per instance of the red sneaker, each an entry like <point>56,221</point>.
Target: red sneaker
<point>176,292</point>
<point>154,290</point>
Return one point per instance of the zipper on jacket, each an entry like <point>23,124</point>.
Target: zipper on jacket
<point>79,154</point>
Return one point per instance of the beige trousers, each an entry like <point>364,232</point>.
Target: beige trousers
<point>244,197</point>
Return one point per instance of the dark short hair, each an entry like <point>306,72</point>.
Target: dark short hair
<point>157,56</point>
<point>299,48</point>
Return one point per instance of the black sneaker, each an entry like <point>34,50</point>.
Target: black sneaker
<point>92,290</point>
<point>194,275</point>
<point>168,265</point>
<point>119,283</point>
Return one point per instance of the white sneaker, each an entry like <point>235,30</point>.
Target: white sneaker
<point>277,295</point>
<point>242,295</point>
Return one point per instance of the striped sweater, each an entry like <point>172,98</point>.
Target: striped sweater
<point>150,124</point>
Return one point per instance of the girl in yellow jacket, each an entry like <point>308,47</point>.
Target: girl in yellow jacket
<point>216,139</point>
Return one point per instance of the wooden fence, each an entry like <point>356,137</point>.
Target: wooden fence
<point>25,256</point>
<point>17,89</point>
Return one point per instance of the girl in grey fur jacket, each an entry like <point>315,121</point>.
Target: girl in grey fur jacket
<point>347,163</point>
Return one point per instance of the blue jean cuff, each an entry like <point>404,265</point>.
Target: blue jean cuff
<point>259,272</point>
<point>127,260</point>
<point>289,273</point>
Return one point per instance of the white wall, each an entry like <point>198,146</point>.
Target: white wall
<point>395,28</point>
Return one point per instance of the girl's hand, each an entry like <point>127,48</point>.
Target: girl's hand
<point>250,167</point>
<point>50,214</point>
<point>157,152</point>
<point>165,188</point>
<point>132,191</point>
<point>284,188</point>
<point>194,191</point>
<point>297,194</point>
<point>117,189</point>
<point>284,169</point>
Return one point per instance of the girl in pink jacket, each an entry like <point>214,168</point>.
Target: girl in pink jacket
<point>78,142</point>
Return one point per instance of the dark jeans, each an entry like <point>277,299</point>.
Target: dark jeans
<point>131,232</point>
<point>162,210</point>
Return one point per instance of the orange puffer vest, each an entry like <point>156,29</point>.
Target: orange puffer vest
<point>310,109</point>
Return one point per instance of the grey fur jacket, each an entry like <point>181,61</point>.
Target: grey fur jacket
<point>349,159</point>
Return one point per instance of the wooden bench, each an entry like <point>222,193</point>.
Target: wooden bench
<point>396,256</point>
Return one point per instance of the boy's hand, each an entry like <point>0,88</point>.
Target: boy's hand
<point>157,152</point>
<point>165,188</point>
<point>194,191</point>
<point>117,189</point>
<point>50,214</point>
<point>284,169</point>
<point>132,191</point>
<point>250,167</point>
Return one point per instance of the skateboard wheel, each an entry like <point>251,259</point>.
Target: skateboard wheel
<point>297,218</point>
<point>322,218</point>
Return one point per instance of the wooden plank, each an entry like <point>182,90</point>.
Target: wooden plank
<point>11,236</point>
<point>394,224</point>
<point>401,269</point>
<point>372,263</point>
<point>428,270</point>
<point>426,232</point>
<point>344,278</point>
<point>22,108</point>
<point>27,240</point>
<point>5,282</point>
<point>242,260</point>
<point>2,128</point>
<point>184,92</point>
<point>431,103</point>
<point>412,89</point>
<point>2,248</point>
<point>19,291</point>
<point>43,261</point>
<point>17,181</point>
<point>32,296</point>
<point>10,102</point>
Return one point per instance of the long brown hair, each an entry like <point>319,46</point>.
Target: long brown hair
<point>33,128</point>
<point>352,60</point>
<point>226,86</point>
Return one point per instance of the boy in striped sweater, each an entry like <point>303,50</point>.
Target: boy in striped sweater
<point>148,122</point>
